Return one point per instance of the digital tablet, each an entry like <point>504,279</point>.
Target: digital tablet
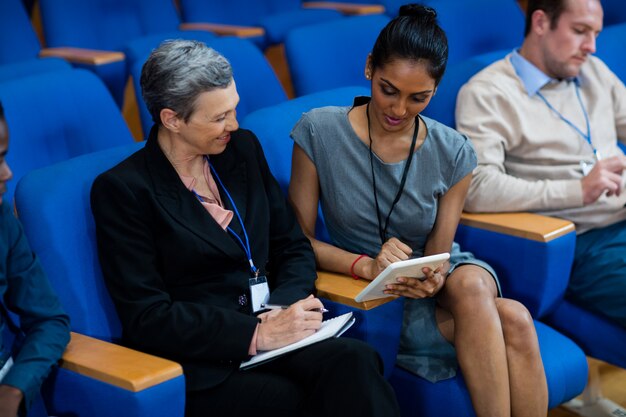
<point>409,268</point>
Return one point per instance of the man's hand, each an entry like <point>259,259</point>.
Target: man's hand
<point>10,399</point>
<point>606,176</point>
<point>279,328</point>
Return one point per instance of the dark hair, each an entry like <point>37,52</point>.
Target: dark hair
<point>1,112</point>
<point>415,35</point>
<point>552,8</point>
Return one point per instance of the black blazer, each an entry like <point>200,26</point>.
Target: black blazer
<point>176,277</point>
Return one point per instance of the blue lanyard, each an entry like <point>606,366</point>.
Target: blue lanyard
<point>587,136</point>
<point>245,246</point>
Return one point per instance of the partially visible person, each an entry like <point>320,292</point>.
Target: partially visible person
<point>194,235</point>
<point>398,193</point>
<point>28,351</point>
<point>545,122</point>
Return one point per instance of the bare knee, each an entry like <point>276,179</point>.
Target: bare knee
<point>469,285</point>
<point>517,325</point>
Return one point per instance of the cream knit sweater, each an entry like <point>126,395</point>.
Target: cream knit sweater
<point>528,158</point>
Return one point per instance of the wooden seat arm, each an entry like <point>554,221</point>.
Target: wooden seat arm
<point>351,9</point>
<point>83,56</point>
<point>525,225</point>
<point>225,30</point>
<point>343,289</point>
<point>116,365</point>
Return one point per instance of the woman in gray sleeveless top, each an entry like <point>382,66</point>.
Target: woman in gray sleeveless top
<point>392,186</point>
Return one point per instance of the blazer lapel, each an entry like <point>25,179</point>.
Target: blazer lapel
<point>182,205</point>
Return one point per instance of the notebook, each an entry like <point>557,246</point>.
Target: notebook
<point>334,327</point>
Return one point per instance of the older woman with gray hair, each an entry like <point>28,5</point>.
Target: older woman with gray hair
<point>195,237</point>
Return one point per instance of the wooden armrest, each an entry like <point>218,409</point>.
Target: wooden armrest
<point>83,56</point>
<point>346,8</point>
<point>525,225</point>
<point>225,30</point>
<point>117,365</point>
<point>343,289</point>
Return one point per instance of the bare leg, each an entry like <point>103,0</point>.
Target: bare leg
<point>491,334</point>
<point>529,389</point>
<point>469,295</point>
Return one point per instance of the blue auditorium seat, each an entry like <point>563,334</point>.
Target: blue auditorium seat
<point>276,17</point>
<point>611,47</point>
<point>19,46</point>
<point>332,54</point>
<point>96,378</point>
<point>54,116</point>
<point>479,26</point>
<point>614,12</point>
<point>107,25</point>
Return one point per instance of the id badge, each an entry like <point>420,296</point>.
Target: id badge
<point>586,167</point>
<point>259,292</point>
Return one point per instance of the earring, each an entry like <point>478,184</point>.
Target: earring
<point>368,76</point>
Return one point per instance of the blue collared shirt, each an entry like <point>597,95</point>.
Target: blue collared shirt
<point>532,77</point>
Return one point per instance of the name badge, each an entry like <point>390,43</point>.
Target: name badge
<point>586,167</point>
<point>259,293</point>
<point>5,369</point>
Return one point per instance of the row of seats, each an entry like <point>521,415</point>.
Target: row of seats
<point>53,204</point>
<point>112,27</point>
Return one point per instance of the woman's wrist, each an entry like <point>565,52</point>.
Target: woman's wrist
<point>355,269</point>
<point>366,268</point>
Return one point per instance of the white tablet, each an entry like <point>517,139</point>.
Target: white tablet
<point>409,268</point>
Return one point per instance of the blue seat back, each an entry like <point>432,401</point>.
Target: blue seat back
<point>104,24</point>
<point>614,12</point>
<point>256,81</point>
<point>58,115</point>
<point>32,66</point>
<point>18,41</point>
<point>272,125</point>
<point>479,26</point>
<point>442,106</point>
<point>53,205</point>
<point>332,54</point>
<point>233,12</point>
<point>611,48</point>
<point>277,17</point>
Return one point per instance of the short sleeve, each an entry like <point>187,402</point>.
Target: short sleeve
<point>303,134</point>
<point>464,162</point>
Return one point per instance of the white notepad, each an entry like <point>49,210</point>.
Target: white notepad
<point>334,327</point>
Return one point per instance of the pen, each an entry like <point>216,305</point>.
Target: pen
<point>283,307</point>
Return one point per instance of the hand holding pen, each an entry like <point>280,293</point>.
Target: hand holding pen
<point>282,326</point>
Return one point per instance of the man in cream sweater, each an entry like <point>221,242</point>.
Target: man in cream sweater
<point>545,121</point>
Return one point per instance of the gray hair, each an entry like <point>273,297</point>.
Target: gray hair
<point>177,72</point>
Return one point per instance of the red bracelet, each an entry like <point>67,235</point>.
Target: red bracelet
<point>355,276</point>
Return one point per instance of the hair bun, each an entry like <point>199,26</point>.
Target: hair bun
<point>419,11</point>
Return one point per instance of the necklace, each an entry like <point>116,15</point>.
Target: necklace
<point>382,231</point>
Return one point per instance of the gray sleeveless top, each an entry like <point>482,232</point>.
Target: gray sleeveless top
<point>345,175</point>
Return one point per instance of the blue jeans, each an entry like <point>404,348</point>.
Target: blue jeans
<point>598,278</point>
